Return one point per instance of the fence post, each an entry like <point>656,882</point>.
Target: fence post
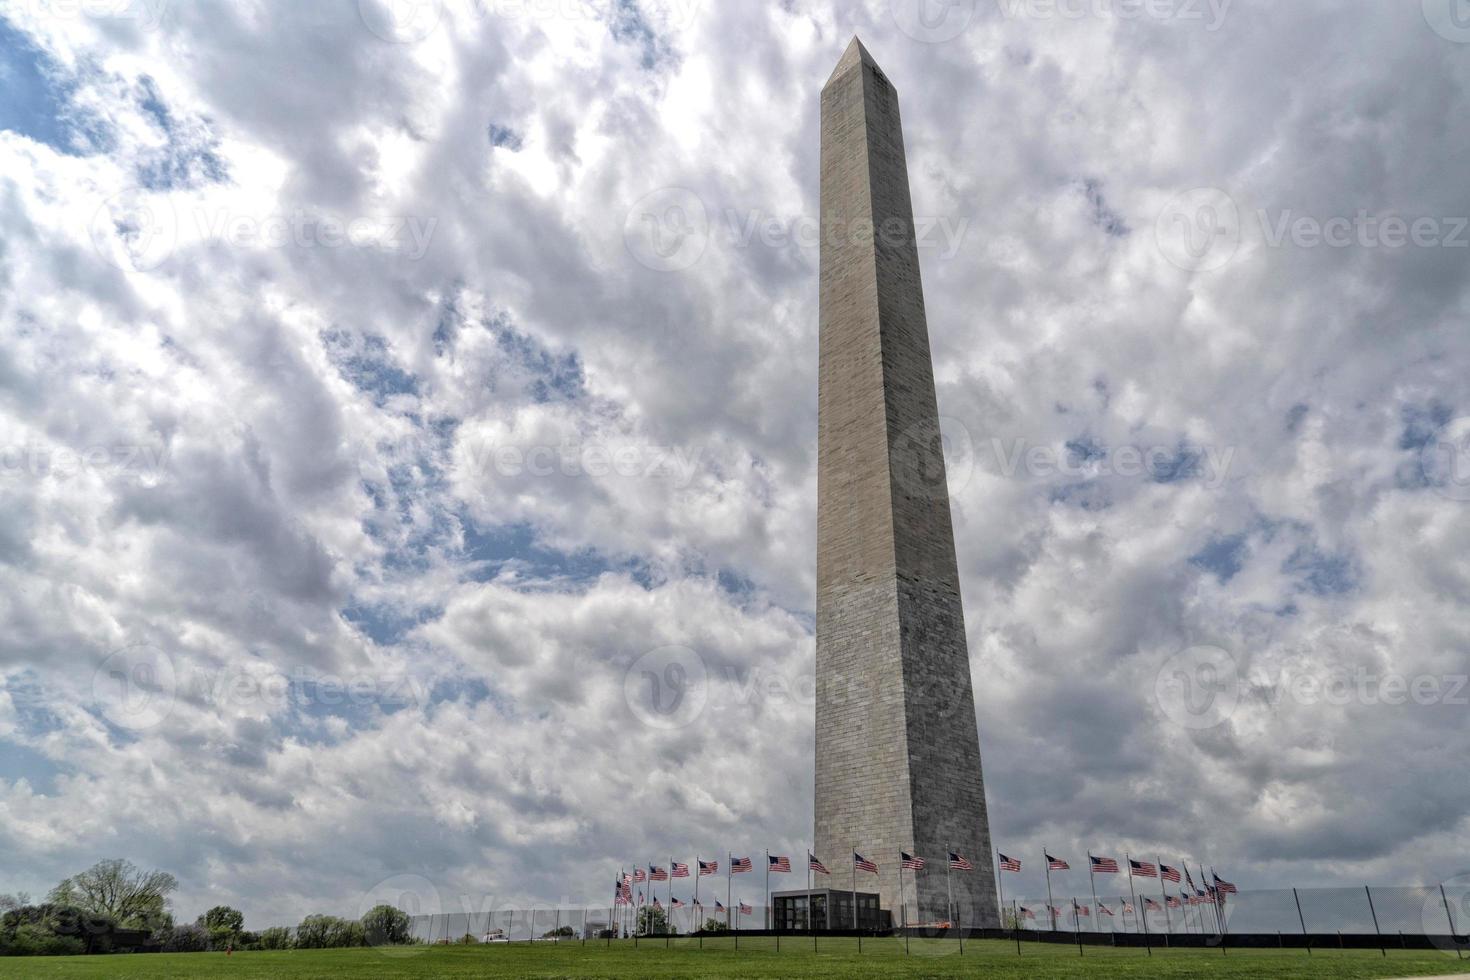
<point>1016,925</point>
<point>1454,936</point>
<point>1302,919</point>
<point>1382,947</point>
<point>1340,948</point>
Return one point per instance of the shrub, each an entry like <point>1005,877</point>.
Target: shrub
<point>328,932</point>
<point>384,925</point>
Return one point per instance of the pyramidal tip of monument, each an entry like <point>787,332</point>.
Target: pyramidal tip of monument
<point>854,56</point>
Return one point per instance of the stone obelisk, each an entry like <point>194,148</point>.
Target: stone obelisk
<point>898,750</point>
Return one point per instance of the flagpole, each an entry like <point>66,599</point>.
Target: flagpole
<point>768,889</point>
<point>903,904</point>
<point>1050,906</point>
<point>1133,891</point>
<point>1164,893</point>
<point>810,922</point>
<point>729,886</point>
<point>1093,882</point>
<point>854,888</point>
<point>698,867</point>
<point>949,885</point>
<point>1000,883</point>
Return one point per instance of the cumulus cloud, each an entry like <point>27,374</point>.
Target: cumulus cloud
<point>407,423</point>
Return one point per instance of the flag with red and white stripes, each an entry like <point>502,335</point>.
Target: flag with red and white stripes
<point>1224,887</point>
<point>1057,864</point>
<point>676,903</point>
<point>1173,902</point>
<point>1083,910</point>
<point>863,864</point>
<point>739,865</point>
<point>1143,869</point>
<point>1026,913</point>
<point>708,868</point>
<point>680,870</point>
<point>1169,874</point>
<point>814,865</point>
<point>957,863</point>
<point>1152,906</point>
<point>1010,864</point>
<point>657,874</point>
<point>779,863</point>
<point>639,874</point>
<point>746,909</point>
<point>1104,910</point>
<point>909,862</point>
<point>1104,866</point>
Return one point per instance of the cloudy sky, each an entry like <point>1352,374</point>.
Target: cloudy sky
<point>408,428</point>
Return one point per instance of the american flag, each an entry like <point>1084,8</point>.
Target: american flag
<point>1169,874</point>
<point>1104,910</point>
<point>1128,908</point>
<point>676,903</point>
<point>1152,906</point>
<point>909,862</point>
<point>656,905</point>
<point>957,863</point>
<point>1173,902</point>
<point>1084,910</point>
<point>815,865</point>
<point>863,864</point>
<point>1009,863</point>
<point>707,868</point>
<point>779,862</point>
<point>618,897</point>
<point>746,909</point>
<point>1104,866</point>
<point>1143,869</point>
<point>657,874</point>
<point>1057,864</point>
<point>1027,913</point>
<point>739,865</point>
<point>718,906</point>
<point>638,875</point>
<point>681,870</point>
<point>1224,887</point>
<point>1187,877</point>
<point>1054,910</point>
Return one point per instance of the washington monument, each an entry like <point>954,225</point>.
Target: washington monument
<point>898,752</point>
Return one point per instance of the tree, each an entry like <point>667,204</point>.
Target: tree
<point>187,939</point>
<point>223,924</point>
<point>276,937</point>
<point>328,932</point>
<point>652,920</point>
<point>714,925</point>
<point>384,925</point>
<point>121,891</point>
<point>559,932</point>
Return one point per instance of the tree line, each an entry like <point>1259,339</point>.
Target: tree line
<point>114,907</point>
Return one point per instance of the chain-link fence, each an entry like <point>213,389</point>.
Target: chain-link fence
<point>1434,915</point>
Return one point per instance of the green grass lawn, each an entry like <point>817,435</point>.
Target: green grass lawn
<point>757,957</point>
